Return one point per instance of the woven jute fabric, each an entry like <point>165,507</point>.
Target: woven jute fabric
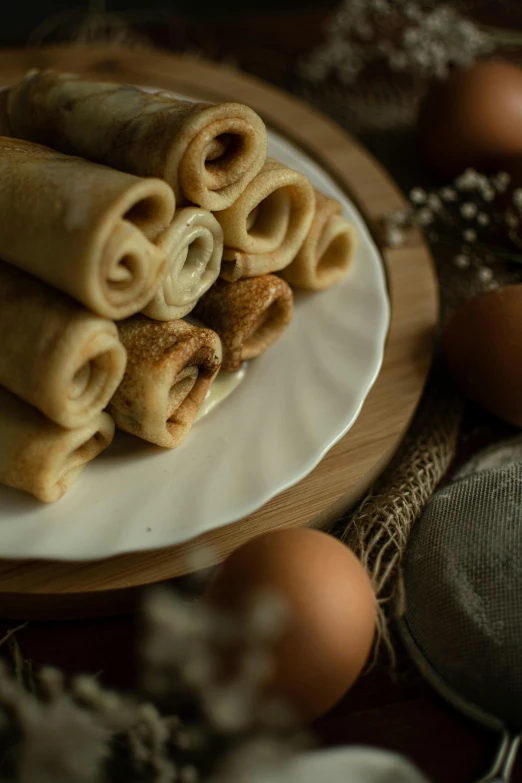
<point>378,530</point>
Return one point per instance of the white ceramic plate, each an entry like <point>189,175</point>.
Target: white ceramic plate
<point>295,403</point>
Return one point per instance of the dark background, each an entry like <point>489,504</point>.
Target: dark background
<point>22,18</point>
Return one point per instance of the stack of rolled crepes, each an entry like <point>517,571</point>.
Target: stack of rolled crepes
<point>122,212</point>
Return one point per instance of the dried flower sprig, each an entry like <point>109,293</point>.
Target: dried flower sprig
<point>473,217</point>
<point>423,38</point>
<point>203,723</point>
<point>194,718</point>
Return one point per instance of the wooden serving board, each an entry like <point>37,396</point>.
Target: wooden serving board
<point>51,589</point>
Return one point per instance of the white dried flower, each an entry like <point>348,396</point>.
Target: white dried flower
<point>468,210</point>
<point>51,681</point>
<point>485,274</point>
<point>469,180</point>
<point>425,217</point>
<point>448,194</point>
<point>62,743</point>
<point>83,733</point>
<point>434,202</point>
<point>393,236</point>
<point>466,217</point>
<point>400,217</point>
<point>408,35</point>
<point>462,261</point>
<point>418,196</point>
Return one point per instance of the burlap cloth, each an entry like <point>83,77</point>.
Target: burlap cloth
<point>379,528</point>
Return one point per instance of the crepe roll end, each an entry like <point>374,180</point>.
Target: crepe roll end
<point>149,204</point>
<point>264,229</point>
<point>327,252</point>
<point>88,442</point>
<point>248,315</point>
<point>193,246</point>
<point>93,380</point>
<point>131,271</point>
<point>42,458</point>
<point>189,386</point>
<point>258,222</point>
<point>227,149</point>
<point>171,366</point>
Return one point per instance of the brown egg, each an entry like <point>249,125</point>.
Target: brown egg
<point>473,118</point>
<point>331,617</point>
<point>483,347</point>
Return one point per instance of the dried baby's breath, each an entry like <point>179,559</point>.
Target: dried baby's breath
<point>194,720</point>
<point>474,216</point>
<point>425,39</point>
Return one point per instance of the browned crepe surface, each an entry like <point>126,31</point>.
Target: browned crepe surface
<point>248,315</point>
<point>169,370</point>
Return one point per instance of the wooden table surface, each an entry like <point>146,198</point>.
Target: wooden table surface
<point>400,713</point>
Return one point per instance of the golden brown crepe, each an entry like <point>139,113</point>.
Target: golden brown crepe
<point>193,246</point>
<point>169,370</point>
<point>248,315</point>
<point>208,154</point>
<point>267,225</point>
<point>326,254</point>
<point>40,457</point>
<point>55,354</point>
<point>81,227</point>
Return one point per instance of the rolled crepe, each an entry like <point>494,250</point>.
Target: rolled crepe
<point>82,227</point>
<point>193,246</point>
<point>267,225</point>
<point>249,316</point>
<point>40,457</point>
<point>327,252</point>
<point>55,354</point>
<point>170,367</point>
<point>208,154</point>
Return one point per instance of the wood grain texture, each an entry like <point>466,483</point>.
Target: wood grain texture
<point>46,589</point>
